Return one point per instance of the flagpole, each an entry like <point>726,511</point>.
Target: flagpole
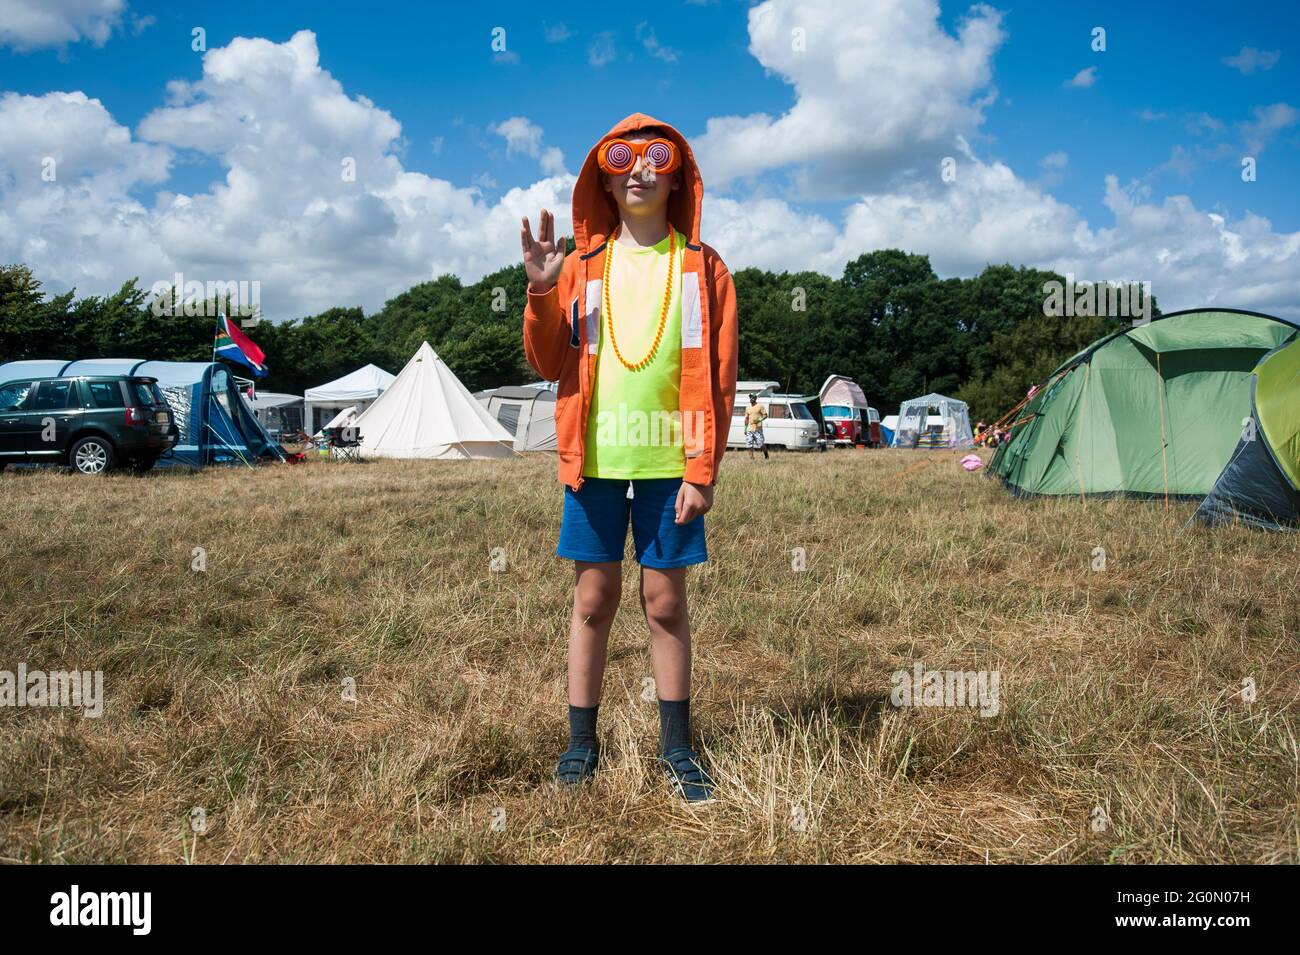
<point>216,332</point>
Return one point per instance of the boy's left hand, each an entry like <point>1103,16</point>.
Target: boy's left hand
<point>692,501</point>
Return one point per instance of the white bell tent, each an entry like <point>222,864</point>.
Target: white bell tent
<point>427,413</point>
<point>355,390</point>
<point>917,428</point>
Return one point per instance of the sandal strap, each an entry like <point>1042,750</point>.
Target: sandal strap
<point>577,761</point>
<point>685,764</point>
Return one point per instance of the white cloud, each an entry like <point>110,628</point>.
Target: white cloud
<point>1250,59</point>
<point>67,170</point>
<point>989,216</point>
<point>523,136</point>
<point>284,214</point>
<point>556,33</point>
<point>601,50</point>
<point>1268,121</point>
<point>1203,124</point>
<point>653,46</point>
<point>1053,166</point>
<point>874,94</point>
<point>1180,163</point>
<point>1083,79</point>
<point>32,24</point>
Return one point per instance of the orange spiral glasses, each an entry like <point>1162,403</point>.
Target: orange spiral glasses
<point>618,156</point>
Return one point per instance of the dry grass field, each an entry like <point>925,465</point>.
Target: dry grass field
<point>1123,732</point>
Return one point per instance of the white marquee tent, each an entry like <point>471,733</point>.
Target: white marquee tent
<point>427,413</point>
<point>356,389</point>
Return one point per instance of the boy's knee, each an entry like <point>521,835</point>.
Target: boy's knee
<point>597,604</point>
<point>664,608</point>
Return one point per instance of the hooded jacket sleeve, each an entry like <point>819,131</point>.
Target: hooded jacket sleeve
<point>725,331</point>
<point>546,330</point>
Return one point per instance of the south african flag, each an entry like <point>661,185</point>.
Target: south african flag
<point>233,345</point>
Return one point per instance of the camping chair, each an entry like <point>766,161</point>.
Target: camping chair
<point>344,444</point>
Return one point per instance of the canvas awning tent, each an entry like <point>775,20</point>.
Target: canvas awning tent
<point>1155,409</point>
<point>215,423</point>
<point>427,413</point>
<point>355,389</point>
<point>527,412</point>
<point>915,430</point>
<point>1260,485</point>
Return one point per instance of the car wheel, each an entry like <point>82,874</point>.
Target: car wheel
<point>93,455</point>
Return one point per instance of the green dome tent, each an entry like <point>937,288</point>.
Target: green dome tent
<point>1152,410</point>
<point>1261,484</point>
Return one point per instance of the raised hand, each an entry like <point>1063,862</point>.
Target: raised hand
<point>543,256</point>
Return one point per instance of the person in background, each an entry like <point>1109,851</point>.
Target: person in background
<point>755,415</point>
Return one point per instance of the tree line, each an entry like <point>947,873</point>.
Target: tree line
<point>888,322</point>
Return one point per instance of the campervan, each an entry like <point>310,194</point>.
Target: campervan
<point>790,424</point>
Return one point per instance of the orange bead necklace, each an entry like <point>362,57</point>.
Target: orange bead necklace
<point>663,311</point>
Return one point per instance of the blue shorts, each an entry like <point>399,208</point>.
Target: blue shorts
<point>594,525</point>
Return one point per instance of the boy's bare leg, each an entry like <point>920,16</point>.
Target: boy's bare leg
<point>663,598</point>
<point>596,594</point>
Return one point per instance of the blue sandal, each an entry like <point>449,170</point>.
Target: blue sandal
<point>685,770</point>
<point>576,766</point>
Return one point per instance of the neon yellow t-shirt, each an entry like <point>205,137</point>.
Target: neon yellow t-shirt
<point>634,425</point>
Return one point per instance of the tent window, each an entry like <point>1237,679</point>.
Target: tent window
<point>508,415</point>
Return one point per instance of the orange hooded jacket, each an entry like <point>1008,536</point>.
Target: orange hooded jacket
<point>562,326</point>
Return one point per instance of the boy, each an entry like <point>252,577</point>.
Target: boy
<point>638,326</point>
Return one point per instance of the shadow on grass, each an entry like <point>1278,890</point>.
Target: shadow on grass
<point>856,711</point>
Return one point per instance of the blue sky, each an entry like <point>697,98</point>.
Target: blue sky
<point>1161,112</point>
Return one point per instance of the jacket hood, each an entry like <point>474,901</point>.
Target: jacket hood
<point>595,213</point>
